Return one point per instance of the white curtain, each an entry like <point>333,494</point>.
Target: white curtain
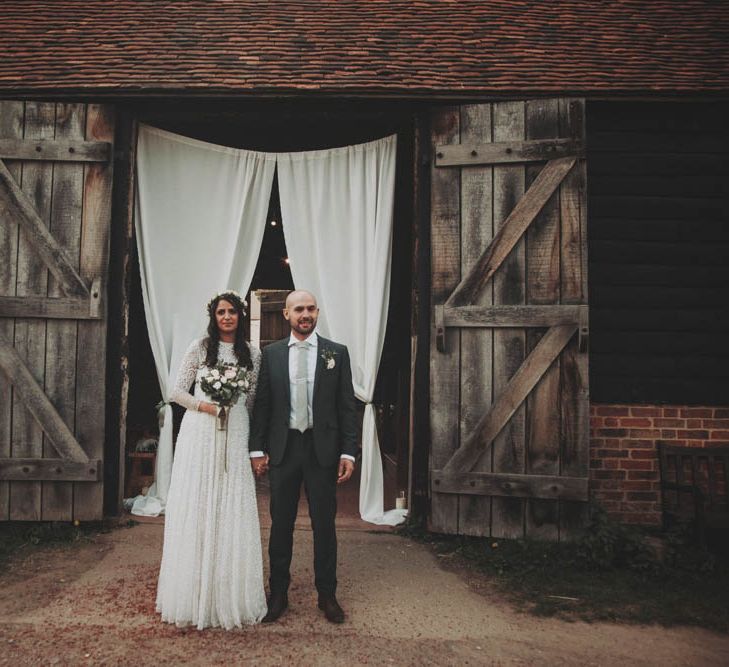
<point>337,213</point>
<point>200,217</point>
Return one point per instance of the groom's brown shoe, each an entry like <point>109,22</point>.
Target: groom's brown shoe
<point>277,604</point>
<point>329,605</point>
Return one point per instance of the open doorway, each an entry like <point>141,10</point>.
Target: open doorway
<point>293,127</point>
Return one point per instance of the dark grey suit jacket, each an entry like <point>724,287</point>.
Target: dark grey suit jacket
<point>335,420</point>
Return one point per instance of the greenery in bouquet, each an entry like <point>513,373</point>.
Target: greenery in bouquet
<point>225,383</point>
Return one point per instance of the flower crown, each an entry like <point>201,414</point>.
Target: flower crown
<point>228,295</point>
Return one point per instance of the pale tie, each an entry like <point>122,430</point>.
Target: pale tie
<point>301,402</point>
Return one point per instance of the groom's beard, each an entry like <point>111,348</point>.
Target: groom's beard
<point>304,326</point>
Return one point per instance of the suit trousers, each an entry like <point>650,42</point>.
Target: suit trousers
<point>320,484</point>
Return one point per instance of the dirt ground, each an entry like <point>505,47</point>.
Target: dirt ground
<point>93,603</point>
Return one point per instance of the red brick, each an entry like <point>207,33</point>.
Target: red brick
<point>645,433</point>
<point>612,432</point>
<point>613,411</point>
<point>697,412</point>
<point>670,412</point>
<point>720,443</point>
<point>719,435</point>
<point>613,453</point>
<point>672,423</point>
<point>640,422</point>
<point>596,422</point>
<point>645,412</point>
<point>721,413</point>
<point>611,422</point>
<point>694,423</point>
<point>715,423</point>
<point>695,434</point>
<point>668,433</point>
<point>636,465</point>
<point>643,474</point>
<point>629,443</point>
<point>649,454</point>
<point>611,474</point>
<point>642,495</point>
<point>637,485</point>
<point>611,464</point>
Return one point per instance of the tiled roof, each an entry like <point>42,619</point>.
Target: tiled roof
<point>357,46</point>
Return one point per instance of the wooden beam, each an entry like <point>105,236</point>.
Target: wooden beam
<point>50,470</point>
<point>512,230</point>
<point>15,204</point>
<point>56,150</point>
<point>35,400</point>
<point>511,316</point>
<point>514,485</point>
<point>61,308</point>
<point>514,394</point>
<point>462,155</point>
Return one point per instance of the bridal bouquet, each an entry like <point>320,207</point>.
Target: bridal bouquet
<point>224,384</point>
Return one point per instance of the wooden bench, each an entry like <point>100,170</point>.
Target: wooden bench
<point>694,488</point>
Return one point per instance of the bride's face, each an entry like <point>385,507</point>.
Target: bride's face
<point>226,317</point>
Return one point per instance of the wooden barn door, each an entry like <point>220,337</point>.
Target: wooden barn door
<point>273,325</point>
<point>509,386</point>
<point>55,193</point>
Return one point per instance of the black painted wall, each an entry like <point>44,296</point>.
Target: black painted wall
<point>658,230</point>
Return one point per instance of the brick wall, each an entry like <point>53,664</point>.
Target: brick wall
<point>624,476</point>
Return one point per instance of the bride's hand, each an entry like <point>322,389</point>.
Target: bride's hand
<point>210,408</point>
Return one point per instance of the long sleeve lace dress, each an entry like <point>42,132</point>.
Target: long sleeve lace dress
<point>212,567</point>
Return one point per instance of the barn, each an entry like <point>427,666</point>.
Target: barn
<point>560,287</point>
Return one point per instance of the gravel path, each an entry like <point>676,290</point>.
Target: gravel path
<point>93,603</point>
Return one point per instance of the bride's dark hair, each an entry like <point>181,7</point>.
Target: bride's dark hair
<point>212,342</point>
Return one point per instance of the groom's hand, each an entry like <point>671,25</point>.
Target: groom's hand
<point>346,468</point>
<point>259,465</point>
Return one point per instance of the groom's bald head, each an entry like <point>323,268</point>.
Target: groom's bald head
<point>298,295</point>
<point>301,312</point>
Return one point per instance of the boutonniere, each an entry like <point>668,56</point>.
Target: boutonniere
<point>328,356</point>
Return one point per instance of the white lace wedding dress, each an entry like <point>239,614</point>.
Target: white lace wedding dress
<point>212,566</point>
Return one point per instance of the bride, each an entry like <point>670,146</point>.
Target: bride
<point>212,569</point>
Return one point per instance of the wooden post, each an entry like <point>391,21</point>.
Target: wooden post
<point>11,127</point>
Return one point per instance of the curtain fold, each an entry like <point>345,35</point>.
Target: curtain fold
<point>200,218</point>
<point>337,213</point>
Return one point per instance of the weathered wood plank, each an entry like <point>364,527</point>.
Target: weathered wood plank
<point>45,469</point>
<point>547,487</point>
<point>512,230</point>
<point>11,126</point>
<point>511,316</point>
<point>509,289</point>
<point>445,274</point>
<point>474,516</point>
<point>63,150</point>
<point>30,393</point>
<point>510,399</point>
<point>543,405</point>
<point>16,205</point>
<point>32,280</point>
<point>94,262</point>
<point>61,335</point>
<point>61,308</point>
<point>575,428</point>
<point>469,153</point>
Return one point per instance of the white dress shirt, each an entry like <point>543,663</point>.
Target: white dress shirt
<point>313,347</point>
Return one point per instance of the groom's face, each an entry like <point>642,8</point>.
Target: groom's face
<point>302,312</point>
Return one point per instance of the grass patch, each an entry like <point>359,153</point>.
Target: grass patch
<point>22,536</point>
<point>612,573</point>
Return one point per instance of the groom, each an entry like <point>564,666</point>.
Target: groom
<point>304,429</point>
